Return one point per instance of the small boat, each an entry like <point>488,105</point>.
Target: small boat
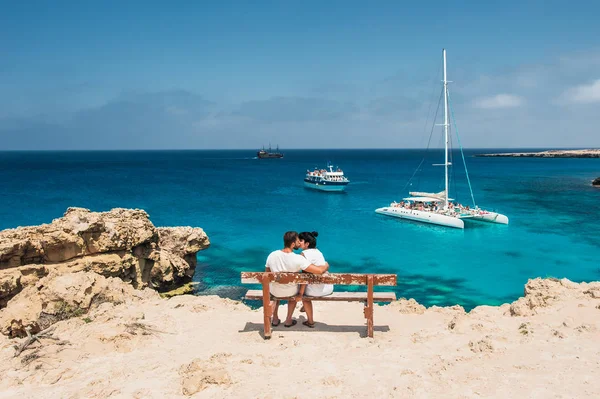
<point>326,179</point>
<point>437,208</point>
<point>264,154</point>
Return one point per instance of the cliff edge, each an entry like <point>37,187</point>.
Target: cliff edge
<point>111,340</point>
<point>121,243</point>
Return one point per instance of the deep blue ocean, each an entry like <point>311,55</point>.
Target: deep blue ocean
<point>246,204</point>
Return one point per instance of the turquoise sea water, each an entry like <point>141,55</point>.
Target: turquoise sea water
<point>246,204</point>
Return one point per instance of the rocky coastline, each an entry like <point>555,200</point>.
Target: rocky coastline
<point>589,153</point>
<point>121,243</point>
<point>82,317</point>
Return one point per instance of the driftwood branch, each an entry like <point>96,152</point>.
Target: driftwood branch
<point>31,338</point>
<point>143,329</point>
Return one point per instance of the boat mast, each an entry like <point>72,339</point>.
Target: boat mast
<point>445,129</point>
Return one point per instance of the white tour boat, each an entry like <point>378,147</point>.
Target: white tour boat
<point>437,208</point>
<point>326,179</point>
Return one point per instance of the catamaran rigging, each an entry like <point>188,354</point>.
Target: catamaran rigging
<point>437,208</point>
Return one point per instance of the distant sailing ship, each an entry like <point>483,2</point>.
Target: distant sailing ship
<point>269,154</point>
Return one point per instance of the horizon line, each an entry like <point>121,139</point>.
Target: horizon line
<point>297,149</point>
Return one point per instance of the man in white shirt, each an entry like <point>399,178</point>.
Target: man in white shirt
<point>285,260</point>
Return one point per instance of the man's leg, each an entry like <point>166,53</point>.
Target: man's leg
<point>275,306</point>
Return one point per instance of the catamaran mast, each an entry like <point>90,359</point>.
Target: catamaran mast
<point>445,130</point>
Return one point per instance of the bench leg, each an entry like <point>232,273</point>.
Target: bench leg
<point>369,306</point>
<point>267,309</point>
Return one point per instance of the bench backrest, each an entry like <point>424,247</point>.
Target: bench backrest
<point>307,278</point>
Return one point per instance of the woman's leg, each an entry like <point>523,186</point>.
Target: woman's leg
<point>308,306</point>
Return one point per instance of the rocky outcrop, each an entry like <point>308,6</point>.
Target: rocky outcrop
<point>60,296</point>
<point>588,153</point>
<point>408,306</point>
<point>120,243</point>
<point>541,293</point>
<point>596,182</point>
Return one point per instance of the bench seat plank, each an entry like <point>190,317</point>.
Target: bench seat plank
<point>336,296</point>
<point>307,278</point>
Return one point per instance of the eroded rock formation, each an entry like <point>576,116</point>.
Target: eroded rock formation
<point>542,293</point>
<point>60,296</point>
<point>120,243</point>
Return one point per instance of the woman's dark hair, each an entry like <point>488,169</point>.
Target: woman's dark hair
<point>310,238</point>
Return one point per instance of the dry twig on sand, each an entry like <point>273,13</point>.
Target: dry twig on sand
<point>31,338</point>
<point>142,329</point>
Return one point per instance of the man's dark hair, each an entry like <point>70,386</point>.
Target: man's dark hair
<point>289,238</point>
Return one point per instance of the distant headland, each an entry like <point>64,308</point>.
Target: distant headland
<point>589,153</point>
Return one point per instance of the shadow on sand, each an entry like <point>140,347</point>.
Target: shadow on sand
<point>361,331</point>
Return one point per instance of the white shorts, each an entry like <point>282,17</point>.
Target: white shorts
<point>283,290</point>
<point>318,289</point>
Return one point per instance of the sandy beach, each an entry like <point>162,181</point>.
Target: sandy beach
<point>546,344</point>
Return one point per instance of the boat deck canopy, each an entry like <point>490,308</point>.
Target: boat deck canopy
<point>423,199</point>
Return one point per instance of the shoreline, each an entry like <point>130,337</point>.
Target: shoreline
<point>588,153</point>
<point>106,330</point>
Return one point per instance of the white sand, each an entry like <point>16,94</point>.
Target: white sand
<point>213,347</point>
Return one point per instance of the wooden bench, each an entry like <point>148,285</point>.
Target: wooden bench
<point>369,297</point>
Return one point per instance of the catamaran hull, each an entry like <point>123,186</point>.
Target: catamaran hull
<point>490,217</point>
<point>421,216</point>
<point>326,187</point>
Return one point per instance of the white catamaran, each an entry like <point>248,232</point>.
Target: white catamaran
<point>437,208</point>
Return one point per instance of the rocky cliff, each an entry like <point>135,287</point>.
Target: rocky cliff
<point>60,296</point>
<point>120,243</point>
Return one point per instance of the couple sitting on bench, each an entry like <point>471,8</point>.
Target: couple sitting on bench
<point>285,260</point>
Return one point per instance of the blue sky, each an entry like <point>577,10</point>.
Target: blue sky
<point>335,74</point>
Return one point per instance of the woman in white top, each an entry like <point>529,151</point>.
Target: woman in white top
<point>308,242</point>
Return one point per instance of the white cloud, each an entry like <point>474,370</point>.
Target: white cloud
<point>499,101</point>
<point>588,93</point>
<point>174,110</point>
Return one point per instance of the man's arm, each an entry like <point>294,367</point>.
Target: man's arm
<point>317,269</point>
